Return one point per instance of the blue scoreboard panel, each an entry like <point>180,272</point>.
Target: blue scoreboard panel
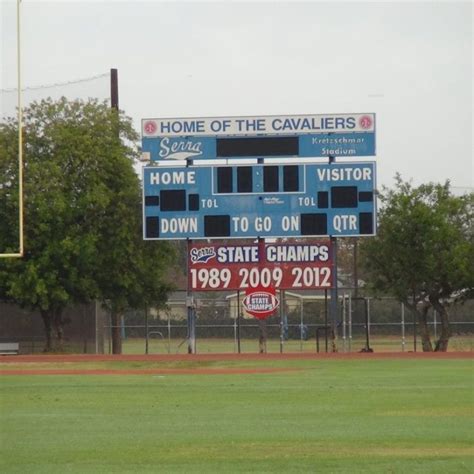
<point>341,145</point>
<point>203,202</point>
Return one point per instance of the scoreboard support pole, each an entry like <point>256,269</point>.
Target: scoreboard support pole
<point>191,309</point>
<point>334,296</point>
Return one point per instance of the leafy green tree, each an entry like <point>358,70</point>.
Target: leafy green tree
<point>82,214</point>
<point>424,251</point>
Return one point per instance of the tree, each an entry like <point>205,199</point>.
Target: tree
<point>424,251</point>
<point>82,212</point>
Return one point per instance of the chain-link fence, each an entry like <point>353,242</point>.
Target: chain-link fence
<point>302,325</point>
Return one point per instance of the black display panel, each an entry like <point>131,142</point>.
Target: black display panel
<point>314,224</point>
<point>193,202</point>
<point>323,199</point>
<point>270,179</point>
<point>152,226</point>
<point>366,196</point>
<point>216,226</point>
<point>244,179</point>
<point>290,178</point>
<point>257,146</point>
<point>366,223</point>
<point>224,180</point>
<point>344,196</point>
<point>152,200</point>
<point>173,200</point>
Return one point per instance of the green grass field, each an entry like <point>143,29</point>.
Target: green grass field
<point>371,416</point>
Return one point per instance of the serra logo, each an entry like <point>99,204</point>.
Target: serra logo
<point>179,148</point>
<point>260,303</point>
<point>202,255</point>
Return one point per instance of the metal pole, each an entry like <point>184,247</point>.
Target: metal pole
<point>414,331</point>
<point>20,134</point>
<point>334,296</point>
<point>189,304</point>
<point>344,348</point>
<point>302,323</point>
<point>146,330</point>
<point>435,324</point>
<point>238,321</point>
<point>114,97</point>
<point>403,327</point>
<point>20,140</point>
<point>326,318</point>
<point>282,296</point>
<point>367,325</point>
<point>169,333</point>
<point>350,322</point>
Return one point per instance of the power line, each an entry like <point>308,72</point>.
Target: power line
<point>58,84</point>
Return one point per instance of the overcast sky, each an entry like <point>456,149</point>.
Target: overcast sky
<point>408,62</point>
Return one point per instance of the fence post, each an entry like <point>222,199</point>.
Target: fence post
<point>301,324</point>
<point>350,322</point>
<point>146,330</point>
<point>403,326</point>
<point>344,323</point>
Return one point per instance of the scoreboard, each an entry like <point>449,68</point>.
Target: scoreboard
<point>291,200</point>
<point>295,136</point>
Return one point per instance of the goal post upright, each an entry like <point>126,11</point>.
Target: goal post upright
<point>20,145</point>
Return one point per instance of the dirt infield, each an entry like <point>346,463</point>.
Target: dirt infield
<point>45,358</point>
<point>158,371</point>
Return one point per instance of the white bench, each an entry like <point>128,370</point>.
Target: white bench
<point>9,348</point>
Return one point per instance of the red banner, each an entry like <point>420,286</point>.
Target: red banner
<point>290,265</point>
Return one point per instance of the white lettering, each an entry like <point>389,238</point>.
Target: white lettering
<point>178,225</point>
<point>174,177</point>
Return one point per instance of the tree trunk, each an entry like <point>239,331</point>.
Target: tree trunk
<point>116,332</point>
<point>58,327</point>
<point>443,341</point>
<point>48,329</point>
<point>424,330</point>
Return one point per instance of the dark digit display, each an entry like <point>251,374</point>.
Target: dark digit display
<point>270,179</point>
<point>344,196</point>
<point>323,199</point>
<point>173,200</point>
<point>224,180</point>
<point>152,200</point>
<point>152,227</point>
<point>290,179</point>
<point>366,196</point>
<point>366,223</point>
<point>216,226</point>
<point>193,201</point>
<point>257,146</point>
<point>314,224</point>
<point>244,179</point>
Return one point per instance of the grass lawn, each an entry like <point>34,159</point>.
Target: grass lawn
<point>371,416</point>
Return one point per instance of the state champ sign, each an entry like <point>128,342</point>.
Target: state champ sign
<point>291,265</point>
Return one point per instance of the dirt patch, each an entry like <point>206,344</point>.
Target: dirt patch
<point>41,358</point>
<point>162,372</point>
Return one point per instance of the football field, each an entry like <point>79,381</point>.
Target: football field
<point>291,413</point>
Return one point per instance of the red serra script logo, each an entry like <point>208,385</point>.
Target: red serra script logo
<point>260,302</point>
